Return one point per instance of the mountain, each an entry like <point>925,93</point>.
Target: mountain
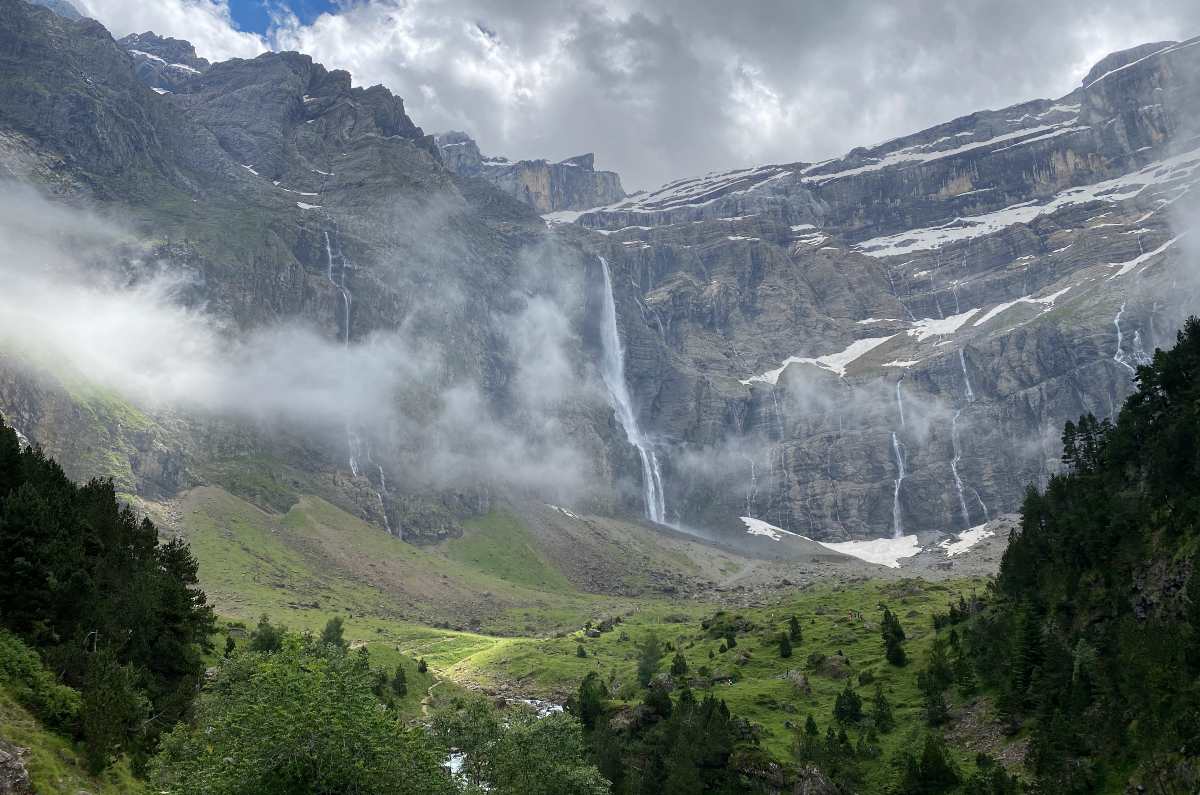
<point>163,63</point>
<point>882,344</point>
<point>64,8</point>
<point>889,341</point>
<point>571,184</point>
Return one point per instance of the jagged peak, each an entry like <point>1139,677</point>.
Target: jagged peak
<point>1122,58</point>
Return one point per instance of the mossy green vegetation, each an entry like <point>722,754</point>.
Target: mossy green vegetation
<point>499,545</point>
<point>56,765</point>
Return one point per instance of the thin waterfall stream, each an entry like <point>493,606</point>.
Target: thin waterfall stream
<point>612,370</point>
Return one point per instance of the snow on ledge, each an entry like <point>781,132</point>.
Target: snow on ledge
<point>966,540</point>
<point>930,327</point>
<point>757,527</point>
<point>880,551</point>
<point>833,362</point>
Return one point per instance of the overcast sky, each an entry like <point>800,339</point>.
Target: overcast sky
<point>661,89</point>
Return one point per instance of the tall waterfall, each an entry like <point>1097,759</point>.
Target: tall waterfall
<point>962,361</point>
<point>1120,357</point>
<point>612,370</point>
<point>958,484</point>
<point>897,519</point>
<point>353,443</point>
<point>900,403</point>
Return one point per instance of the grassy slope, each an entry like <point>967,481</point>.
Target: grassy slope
<point>315,561</point>
<point>762,694</point>
<point>55,765</point>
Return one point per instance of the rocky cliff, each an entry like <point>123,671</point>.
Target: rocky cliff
<point>880,344</point>
<point>571,184</point>
<point>890,341</point>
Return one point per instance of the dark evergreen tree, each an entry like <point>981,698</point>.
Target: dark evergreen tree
<point>785,646</point>
<point>399,682</point>
<point>649,657</point>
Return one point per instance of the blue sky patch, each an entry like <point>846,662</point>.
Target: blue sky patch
<point>253,15</point>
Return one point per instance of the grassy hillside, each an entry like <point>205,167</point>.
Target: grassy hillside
<point>55,765</point>
<point>841,642</point>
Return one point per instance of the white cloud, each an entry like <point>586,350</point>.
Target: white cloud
<point>205,23</point>
<point>676,87</point>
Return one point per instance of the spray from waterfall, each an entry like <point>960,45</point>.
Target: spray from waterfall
<point>900,403</point>
<point>612,370</point>
<point>354,443</point>
<point>897,519</point>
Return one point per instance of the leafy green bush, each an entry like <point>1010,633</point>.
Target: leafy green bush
<point>22,672</point>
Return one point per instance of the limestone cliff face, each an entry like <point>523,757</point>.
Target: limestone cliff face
<point>571,184</point>
<point>887,341</point>
<point>282,194</point>
<point>892,340</point>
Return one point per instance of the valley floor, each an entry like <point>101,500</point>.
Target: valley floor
<point>529,601</point>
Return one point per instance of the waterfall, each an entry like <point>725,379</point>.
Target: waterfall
<point>897,520</point>
<point>752,491</point>
<point>353,444</point>
<point>612,370</point>
<point>958,484</point>
<point>1140,357</point>
<point>900,403</point>
<point>1120,357</point>
<point>962,360</point>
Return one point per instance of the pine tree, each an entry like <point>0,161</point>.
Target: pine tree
<point>331,635</point>
<point>679,666</point>
<point>230,645</point>
<point>785,646</point>
<point>422,667</point>
<point>847,707</point>
<point>649,656</point>
<point>881,711</point>
<point>795,635</point>
<point>399,682</point>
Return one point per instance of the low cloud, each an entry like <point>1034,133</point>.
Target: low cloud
<point>84,301</point>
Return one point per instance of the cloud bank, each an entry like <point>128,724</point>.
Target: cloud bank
<point>85,301</point>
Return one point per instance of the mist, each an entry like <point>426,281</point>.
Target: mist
<point>84,301</point>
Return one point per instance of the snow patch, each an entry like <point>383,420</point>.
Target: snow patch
<point>966,540</point>
<point>1164,173</point>
<point>1046,301</point>
<point>929,327</point>
<point>833,362</point>
<point>882,551</point>
<point>1128,267</point>
<point>306,206</point>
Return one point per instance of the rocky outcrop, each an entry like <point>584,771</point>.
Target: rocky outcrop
<point>14,778</point>
<point>163,63</point>
<point>571,184</point>
<point>64,8</point>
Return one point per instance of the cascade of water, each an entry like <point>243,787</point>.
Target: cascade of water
<point>900,403</point>
<point>353,444</point>
<point>752,491</point>
<point>1140,357</point>
<point>612,370</point>
<point>897,520</point>
<point>962,361</point>
<point>958,484</point>
<point>1120,357</point>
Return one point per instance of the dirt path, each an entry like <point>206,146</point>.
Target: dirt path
<point>425,702</point>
